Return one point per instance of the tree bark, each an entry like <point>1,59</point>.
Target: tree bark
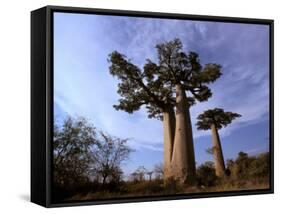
<point>169,135</point>
<point>183,158</point>
<point>217,152</point>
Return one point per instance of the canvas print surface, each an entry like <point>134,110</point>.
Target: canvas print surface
<point>158,107</point>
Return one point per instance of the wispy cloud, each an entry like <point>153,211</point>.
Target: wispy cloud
<point>83,85</point>
<point>143,145</point>
<point>258,150</point>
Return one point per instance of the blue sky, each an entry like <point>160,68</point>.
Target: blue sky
<point>84,87</point>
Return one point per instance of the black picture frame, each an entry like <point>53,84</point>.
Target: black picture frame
<point>42,102</point>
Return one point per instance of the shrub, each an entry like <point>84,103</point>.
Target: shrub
<point>206,175</point>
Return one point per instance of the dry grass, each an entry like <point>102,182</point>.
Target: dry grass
<point>157,188</point>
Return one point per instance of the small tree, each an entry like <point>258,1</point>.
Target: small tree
<point>72,151</point>
<point>149,173</point>
<point>159,171</point>
<point>141,172</point>
<point>206,174</point>
<point>109,156</point>
<point>215,119</point>
<point>260,166</point>
<point>247,167</point>
<point>134,177</point>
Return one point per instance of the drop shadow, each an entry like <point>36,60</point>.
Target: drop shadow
<point>25,197</point>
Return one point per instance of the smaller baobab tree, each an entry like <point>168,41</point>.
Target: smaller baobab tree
<point>215,119</point>
<point>140,173</point>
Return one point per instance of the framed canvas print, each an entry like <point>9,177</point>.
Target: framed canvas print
<point>133,106</point>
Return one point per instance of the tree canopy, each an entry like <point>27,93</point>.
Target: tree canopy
<point>154,85</point>
<point>216,116</point>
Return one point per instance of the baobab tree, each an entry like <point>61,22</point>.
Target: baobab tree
<point>140,173</point>
<point>215,119</point>
<point>162,88</point>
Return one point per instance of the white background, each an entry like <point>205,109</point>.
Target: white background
<point>15,105</point>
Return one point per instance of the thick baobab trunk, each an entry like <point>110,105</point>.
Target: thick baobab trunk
<point>169,134</point>
<point>217,152</point>
<point>183,160</point>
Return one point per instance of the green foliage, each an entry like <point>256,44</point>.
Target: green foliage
<point>210,73</point>
<point>216,116</point>
<point>260,166</point>
<point>137,88</point>
<point>154,86</point>
<point>245,167</point>
<point>242,172</point>
<point>206,174</point>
